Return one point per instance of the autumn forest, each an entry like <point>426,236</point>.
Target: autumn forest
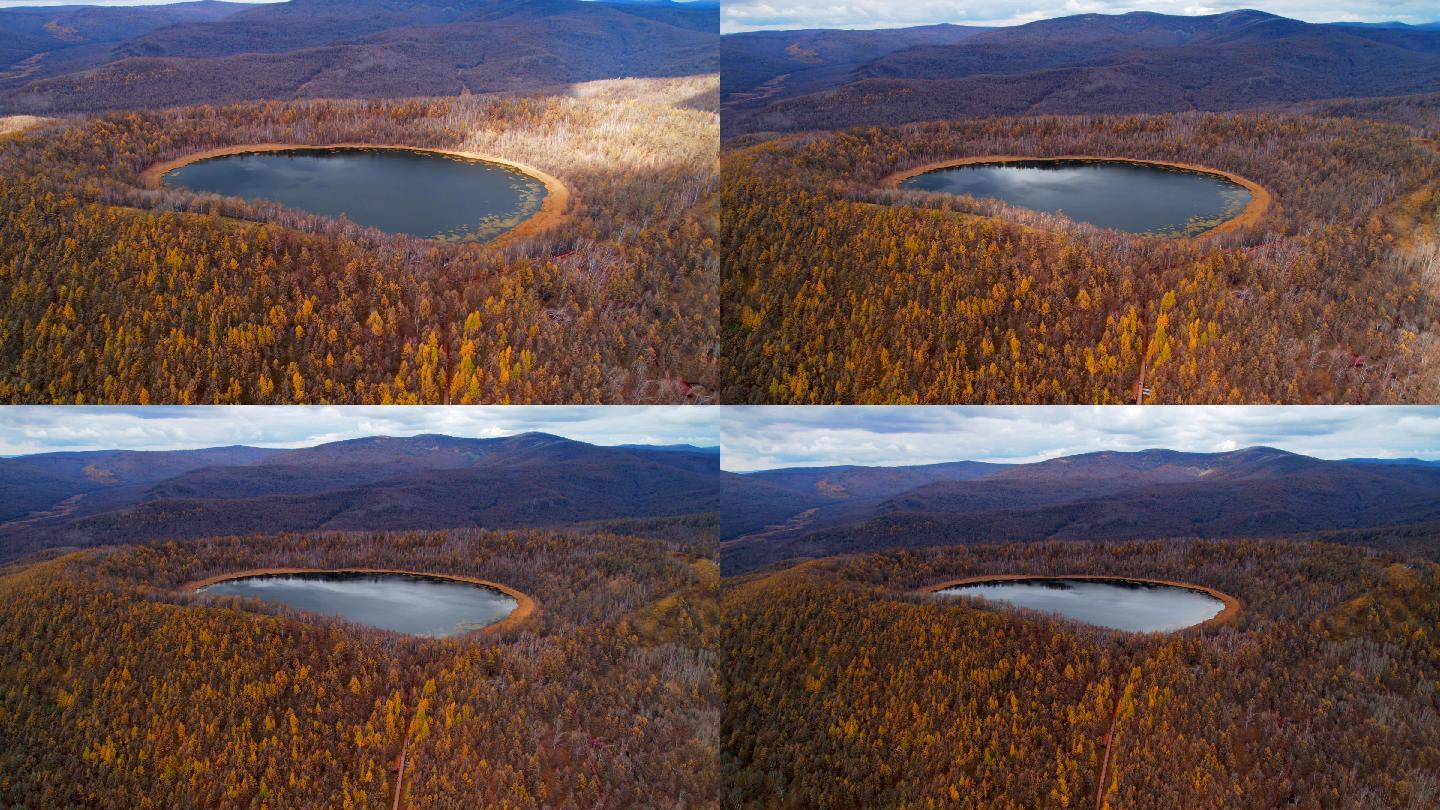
<point>700,404</point>
<point>839,290</point>
<point>125,691</point>
<point>847,687</point>
<point>119,292</point>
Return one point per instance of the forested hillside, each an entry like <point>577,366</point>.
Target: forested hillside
<point>373,483</point>
<point>755,500</point>
<point>97,58</point>
<point>837,290</point>
<point>35,40</point>
<point>130,693</point>
<point>1139,62</point>
<point>1256,492</point>
<point>761,65</point>
<point>846,688</point>
<point>117,292</point>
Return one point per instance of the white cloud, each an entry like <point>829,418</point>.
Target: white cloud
<point>38,429</point>
<point>769,437</point>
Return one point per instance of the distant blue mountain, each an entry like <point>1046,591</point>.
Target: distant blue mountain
<point>1417,462</point>
<point>372,483</point>
<point>1430,26</point>
<point>1139,62</point>
<point>85,58</point>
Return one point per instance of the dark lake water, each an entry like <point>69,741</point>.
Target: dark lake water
<point>1131,197</point>
<point>404,603</point>
<point>394,190</point>
<point>1119,604</point>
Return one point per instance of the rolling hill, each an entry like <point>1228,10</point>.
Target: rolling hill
<point>846,688</point>
<point>422,482</point>
<point>1086,64</point>
<point>753,501</point>
<point>769,64</point>
<point>39,41</point>
<point>1257,492</point>
<point>89,58</point>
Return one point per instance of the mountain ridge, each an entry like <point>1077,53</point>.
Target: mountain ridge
<point>1252,492</point>
<point>1094,63</point>
<point>216,54</point>
<point>426,481</point>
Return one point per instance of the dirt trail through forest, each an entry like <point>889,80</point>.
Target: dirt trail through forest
<point>400,772</point>
<point>1105,760</point>
<point>404,751</point>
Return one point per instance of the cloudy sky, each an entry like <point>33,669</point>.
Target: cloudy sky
<point>4,3</point>
<point>38,429</point>
<point>32,3</point>
<point>754,15</point>
<point>779,436</point>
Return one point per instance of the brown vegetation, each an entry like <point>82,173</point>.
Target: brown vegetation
<point>846,688</point>
<point>130,693</point>
<point>17,124</point>
<point>123,293</point>
<point>838,291</point>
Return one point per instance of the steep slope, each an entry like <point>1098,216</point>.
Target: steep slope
<point>1130,63</point>
<point>427,482</point>
<point>377,48</point>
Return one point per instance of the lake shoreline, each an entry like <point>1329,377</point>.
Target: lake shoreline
<point>1226,615</point>
<point>525,605</point>
<point>553,208</point>
<point>1260,199</point>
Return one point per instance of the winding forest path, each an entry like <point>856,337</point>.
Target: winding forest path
<point>1105,760</point>
<point>404,751</point>
<point>400,772</point>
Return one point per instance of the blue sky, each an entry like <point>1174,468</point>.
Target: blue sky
<point>752,15</point>
<point>38,429</point>
<point>810,436</point>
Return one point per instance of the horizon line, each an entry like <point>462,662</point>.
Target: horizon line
<point>1018,22</point>
<point>1043,458</point>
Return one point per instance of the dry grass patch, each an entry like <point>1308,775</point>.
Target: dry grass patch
<point>18,124</point>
